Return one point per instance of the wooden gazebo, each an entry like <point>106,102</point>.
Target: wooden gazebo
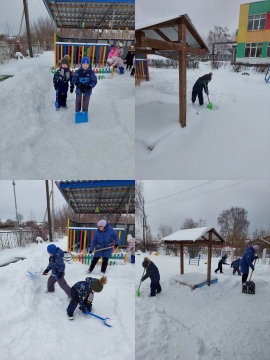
<point>206,236</point>
<point>173,35</point>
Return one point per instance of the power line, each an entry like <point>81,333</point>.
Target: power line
<point>200,194</point>
<point>180,192</point>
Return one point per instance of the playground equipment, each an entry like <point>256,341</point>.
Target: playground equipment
<point>194,261</point>
<point>142,70</point>
<point>115,259</point>
<point>267,75</point>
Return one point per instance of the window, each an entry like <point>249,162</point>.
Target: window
<point>253,50</point>
<point>256,22</point>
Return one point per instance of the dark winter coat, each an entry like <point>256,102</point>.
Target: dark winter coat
<point>247,260</point>
<point>83,289</point>
<point>104,239</point>
<point>91,83</point>
<point>151,271</point>
<point>56,263</point>
<point>222,261</point>
<point>61,80</point>
<point>129,58</point>
<point>202,84</point>
<point>236,263</point>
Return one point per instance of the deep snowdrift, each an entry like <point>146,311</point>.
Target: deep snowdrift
<point>216,322</point>
<point>37,142</point>
<point>34,324</point>
<point>231,142</point>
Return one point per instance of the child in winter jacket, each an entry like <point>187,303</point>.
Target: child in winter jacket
<point>116,62</point>
<point>120,50</point>
<point>57,265</point>
<point>129,57</point>
<point>246,261</point>
<point>221,261</point>
<point>131,247</point>
<point>82,293</point>
<point>112,52</point>
<point>200,85</point>
<point>85,80</point>
<point>61,80</point>
<point>235,265</point>
<point>153,273</point>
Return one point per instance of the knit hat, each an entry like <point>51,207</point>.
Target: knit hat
<point>85,60</point>
<point>102,223</point>
<point>112,46</point>
<point>51,249</point>
<point>97,286</point>
<point>64,61</point>
<point>256,248</point>
<point>120,44</point>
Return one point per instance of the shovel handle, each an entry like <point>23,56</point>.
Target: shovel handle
<point>252,270</point>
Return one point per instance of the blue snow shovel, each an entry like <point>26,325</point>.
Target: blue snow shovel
<point>82,116</point>
<point>56,102</point>
<point>89,313</point>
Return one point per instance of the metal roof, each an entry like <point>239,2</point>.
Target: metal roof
<point>196,234</point>
<point>95,14</point>
<point>109,196</point>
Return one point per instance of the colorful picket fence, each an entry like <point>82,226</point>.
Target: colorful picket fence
<point>115,259</point>
<point>142,70</point>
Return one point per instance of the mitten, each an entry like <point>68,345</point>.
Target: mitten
<point>83,309</point>
<point>45,272</point>
<point>116,245</point>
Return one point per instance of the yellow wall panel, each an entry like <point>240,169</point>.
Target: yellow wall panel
<point>258,36</point>
<point>243,21</point>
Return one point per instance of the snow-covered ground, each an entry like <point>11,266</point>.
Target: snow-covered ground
<point>34,324</point>
<point>230,142</point>
<point>216,322</point>
<point>37,142</point>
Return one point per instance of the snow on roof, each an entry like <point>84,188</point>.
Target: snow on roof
<point>188,234</point>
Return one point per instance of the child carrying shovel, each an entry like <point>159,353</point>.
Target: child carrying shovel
<point>85,80</point>
<point>153,273</point>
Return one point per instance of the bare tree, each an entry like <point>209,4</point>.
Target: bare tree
<point>20,218</point>
<point>219,34</point>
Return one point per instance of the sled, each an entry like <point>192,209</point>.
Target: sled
<point>81,116</point>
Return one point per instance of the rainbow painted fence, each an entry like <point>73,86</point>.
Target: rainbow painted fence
<point>142,70</point>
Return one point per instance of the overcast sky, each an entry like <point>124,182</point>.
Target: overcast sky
<point>11,11</point>
<point>30,195</point>
<point>254,196</point>
<point>204,14</point>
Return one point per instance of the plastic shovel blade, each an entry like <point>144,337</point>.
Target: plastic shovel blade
<point>210,106</point>
<point>104,320</point>
<point>81,117</point>
<point>106,323</point>
<point>138,293</point>
<point>33,274</point>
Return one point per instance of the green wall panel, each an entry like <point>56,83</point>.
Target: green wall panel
<point>259,7</point>
<point>240,50</point>
<point>236,34</point>
<point>264,49</point>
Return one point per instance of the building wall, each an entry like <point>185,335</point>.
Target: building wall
<point>244,36</point>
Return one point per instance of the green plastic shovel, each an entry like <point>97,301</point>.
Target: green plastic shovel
<point>138,293</point>
<point>209,105</point>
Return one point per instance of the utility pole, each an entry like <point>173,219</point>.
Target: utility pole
<point>25,4</point>
<point>15,202</point>
<point>48,207</point>
<point>52,212</point>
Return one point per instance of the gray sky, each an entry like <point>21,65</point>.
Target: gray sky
<point>254,196</point>
<point>30,195</point>
<point>204,14</point>
<point>11,11</point>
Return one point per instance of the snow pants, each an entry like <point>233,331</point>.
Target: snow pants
<point>244,278</point>
<point>132,72</point>
<point>62,98</point>
<point>236,269</point>
<point>155,288</point>
<point>86,99</point>
<point>103,266</point>
<point>194,96</point>
<point>74,303</point>
<point>132,259</point>
<point>129,66</point>
<point>62,283</point>
<point>219,268</point>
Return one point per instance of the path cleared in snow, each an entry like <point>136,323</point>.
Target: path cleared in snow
<point>231,142</point>
<point>37,142</point>
<point>216,322</point>
<point>34,324</point>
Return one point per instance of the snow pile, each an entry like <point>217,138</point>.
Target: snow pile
<point>38,142</point>
<point>216,322</point>
<point>215,142</point>
<point>34,324</point>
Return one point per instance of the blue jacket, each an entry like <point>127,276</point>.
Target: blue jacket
<point>236,263</point>
<point>202,84</point>
<point>104,239</point>
<point>91,83</point>
<point>222,260</point>
<point>56,263</point>
<point>61,79</point>
<point>83,289</point>
<point>151,271</point>
<point>247,260</point>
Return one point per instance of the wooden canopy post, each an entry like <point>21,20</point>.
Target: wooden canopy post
<point>181,259</point>
<point>182,73</point>
<point>209,258</point>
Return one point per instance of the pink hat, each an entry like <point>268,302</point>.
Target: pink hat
<point>256,248</point>
<point>101,223</point>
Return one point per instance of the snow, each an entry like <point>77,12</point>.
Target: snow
<point>188,234</point>
<point>38,142</point>
<point>216,322</point>
<point>34,324</point>
<point>192,278</point>
<point>230,142</point>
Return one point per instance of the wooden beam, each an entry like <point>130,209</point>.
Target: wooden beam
<point>160,33</point>
<point>181,259</point>
<point>160,44</point>
<point>209,258</point>
<point>144,51</point>
<point>182,75</point>
<point>193,50</point>
<point>169,23</point>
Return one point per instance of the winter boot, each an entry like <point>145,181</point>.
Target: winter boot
<point>121,70</point>
<point>70,317</point>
